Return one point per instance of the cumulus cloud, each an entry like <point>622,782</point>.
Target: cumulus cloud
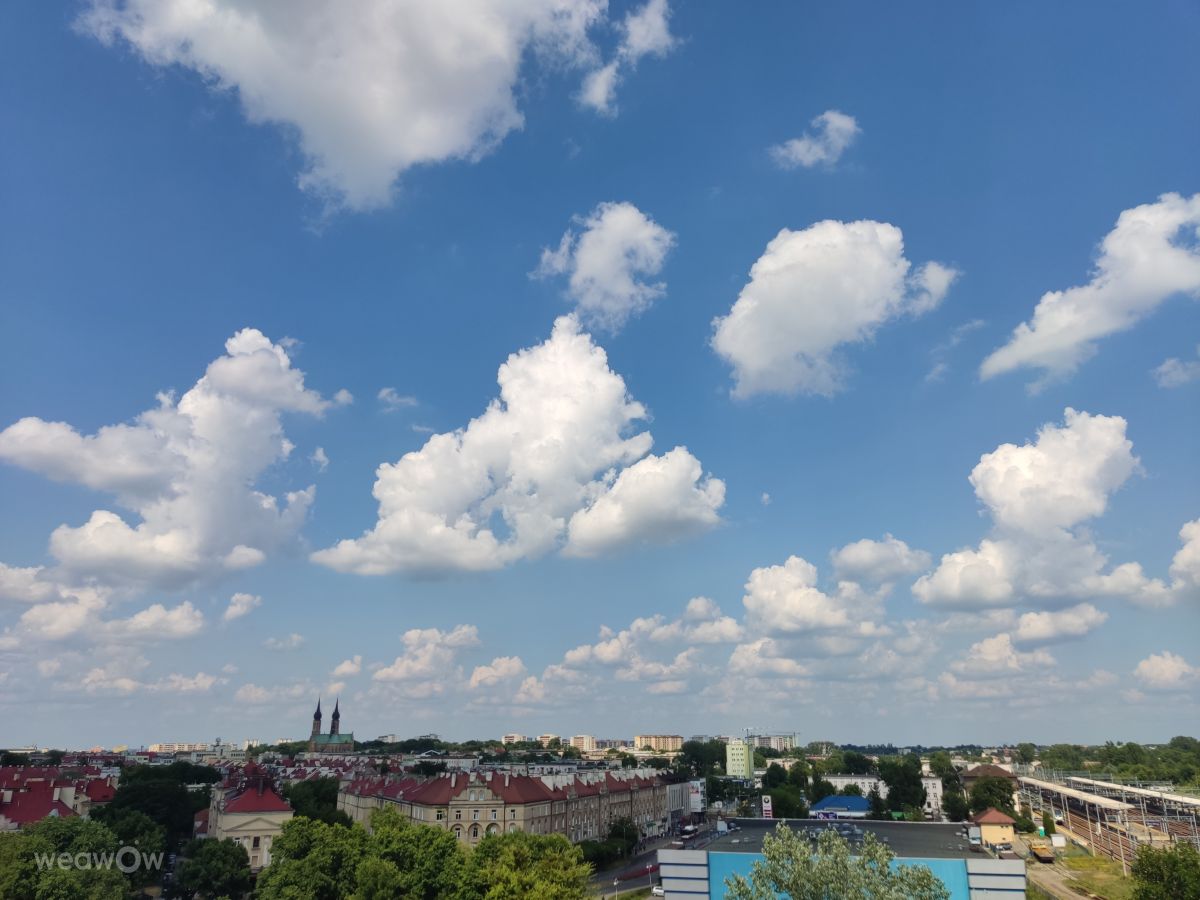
<point>320,459</point>
<point>557,443</point>
<point>1039,496</point>
<point>1047,627</point>
<point>828,136</point>
<point>348,667</point>
<point>644,32</point>
<point>878,562</point>
<point>502,668</point>
<point>186,468</point>
<point>428,653</point>
<point>370,88</point>
<point>1174,372</point>
<point>241,605</point>
<point>997,655</point>
<point>1150,256</point>
<point>607,263</point>
<point>82,617</point>
<point>814,292</point>
<point>1166,671</point>
<point>785,599</point>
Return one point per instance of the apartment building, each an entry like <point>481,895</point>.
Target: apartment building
<point>658,741</point>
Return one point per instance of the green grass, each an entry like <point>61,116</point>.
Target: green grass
<point>1101,876</point>
<point>1033,892</point>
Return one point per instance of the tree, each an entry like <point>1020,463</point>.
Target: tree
<point>1026,752</point>
<point>1048,822</point>
<point>134,829</point>
<point>878,806</point>
<point>851,790</point>
<point>215,868</point>
<point>774,775</point>
<point>22,879</point>
<point>789,868</point>
<point>941,766</point>
<point>820,789</point>
<point>954,804</point>
<point>518,865</point>
<point>857,763</point>
<point>798,774</point>
<point>993,791</point>
<point>788,802</point>
<point>1172,874</point>
<point>902,774</point>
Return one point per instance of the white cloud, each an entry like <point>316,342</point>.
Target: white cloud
<point>1046,627</point>
<point>785,599</point>
<point>292,641</point>
<point>391,399</point>
<point>557,442</point>
<point>765,499</point>
<point>1039,496</point>
<point>1151,255</point>
<point>502,668</point>
<point>348,667</point>
<point>1175,372</point>
<point>82,618</point>
<point>831,133</point>
<point>29,585</point>
<point>1166,671</point>
<point>644,32</point>
<point>659,498</point>
<point>320,459</point>
<point>370,88</point>
<point>241,605</point>
<point>878,562</point>
<point>814,292</point>
<point>186,468</point>
<point>997,655</point>
<point>607,263</point>
<point>429,653</point>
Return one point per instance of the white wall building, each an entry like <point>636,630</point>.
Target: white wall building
<point>932,785</point>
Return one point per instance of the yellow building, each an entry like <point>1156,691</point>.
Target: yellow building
<point>739,760</point>
<point>994,827</point>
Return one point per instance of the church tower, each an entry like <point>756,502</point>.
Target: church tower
<point>316,729</point>
<point>336,719</point>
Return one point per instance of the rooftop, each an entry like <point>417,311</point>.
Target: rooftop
<point>908,840</point>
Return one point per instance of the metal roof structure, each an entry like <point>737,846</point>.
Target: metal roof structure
<point>1161,796</point>
<point>1081,796</point>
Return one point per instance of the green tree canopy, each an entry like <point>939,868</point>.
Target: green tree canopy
<point>317,799</point>
<point>22,879</point>
<point>791,869</point>
<point>214,868</point>
<point>902,774</point>
<point>992,791</point>
<point>517,866</point>
<point>1172,874</point>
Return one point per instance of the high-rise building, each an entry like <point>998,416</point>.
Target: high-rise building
<point>513,738</point>
<point>584,742</point>
<point>739,759</point>
<point>658,741</point>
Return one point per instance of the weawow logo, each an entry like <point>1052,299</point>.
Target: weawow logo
<point>127,860</point>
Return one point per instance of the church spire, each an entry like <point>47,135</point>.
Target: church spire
<point>316,726</point>
<point>336,719</point>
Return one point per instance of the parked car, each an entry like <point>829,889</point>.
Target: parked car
<point>658,891</point>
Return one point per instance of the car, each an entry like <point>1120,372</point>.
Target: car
<point>658,891</point>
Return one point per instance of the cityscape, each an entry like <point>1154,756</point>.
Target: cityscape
<point>568,449</point>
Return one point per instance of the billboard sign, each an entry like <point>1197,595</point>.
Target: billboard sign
<point>696,791</point>
<point>768,810</point>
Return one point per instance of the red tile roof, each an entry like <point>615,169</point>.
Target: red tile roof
<point>33,805</point>
<point>992,816</point>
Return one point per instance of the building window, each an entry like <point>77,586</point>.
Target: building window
<point>458,832</point>
<point>474,831</point>
<point>458,814</point>
<point>512,813</point>
<point>493,813</point>
<point>475,814</point>
<point>255,844</point>
<point>441,814</point>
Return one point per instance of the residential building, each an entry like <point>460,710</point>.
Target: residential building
<point>513,738</point>
<point>247,809</point>
<point>972,775</point>
<point>867,783</point>
<point>584,742</point>
<point>658,741</point>
<point>472,806</point>
<point>739,760</point>
<point>547,739</point>
<point>178,748</point>
<point>780,742</point>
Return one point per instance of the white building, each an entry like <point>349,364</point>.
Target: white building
<point>932,785</point>
<point>584,742</point>
<point>739,760</point>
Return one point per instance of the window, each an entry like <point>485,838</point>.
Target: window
<point>493,813</point>
<point>255,844</point>
<point>458,814</point>
<point>512,813</point>
<point>441,814</point>
<point>475,814</point>
<point>474,831</point>
<point>458,832</point>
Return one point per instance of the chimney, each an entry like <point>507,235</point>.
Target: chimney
<point>506,779</point>
<point>453,779</point>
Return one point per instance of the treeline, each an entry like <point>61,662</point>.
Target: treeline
<point>1177,761</point>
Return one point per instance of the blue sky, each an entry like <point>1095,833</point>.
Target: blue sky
<point>797,236</point>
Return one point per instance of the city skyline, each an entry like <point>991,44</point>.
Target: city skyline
<point>730,369</point>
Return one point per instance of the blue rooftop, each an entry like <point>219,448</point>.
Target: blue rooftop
<point>836,803</point>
